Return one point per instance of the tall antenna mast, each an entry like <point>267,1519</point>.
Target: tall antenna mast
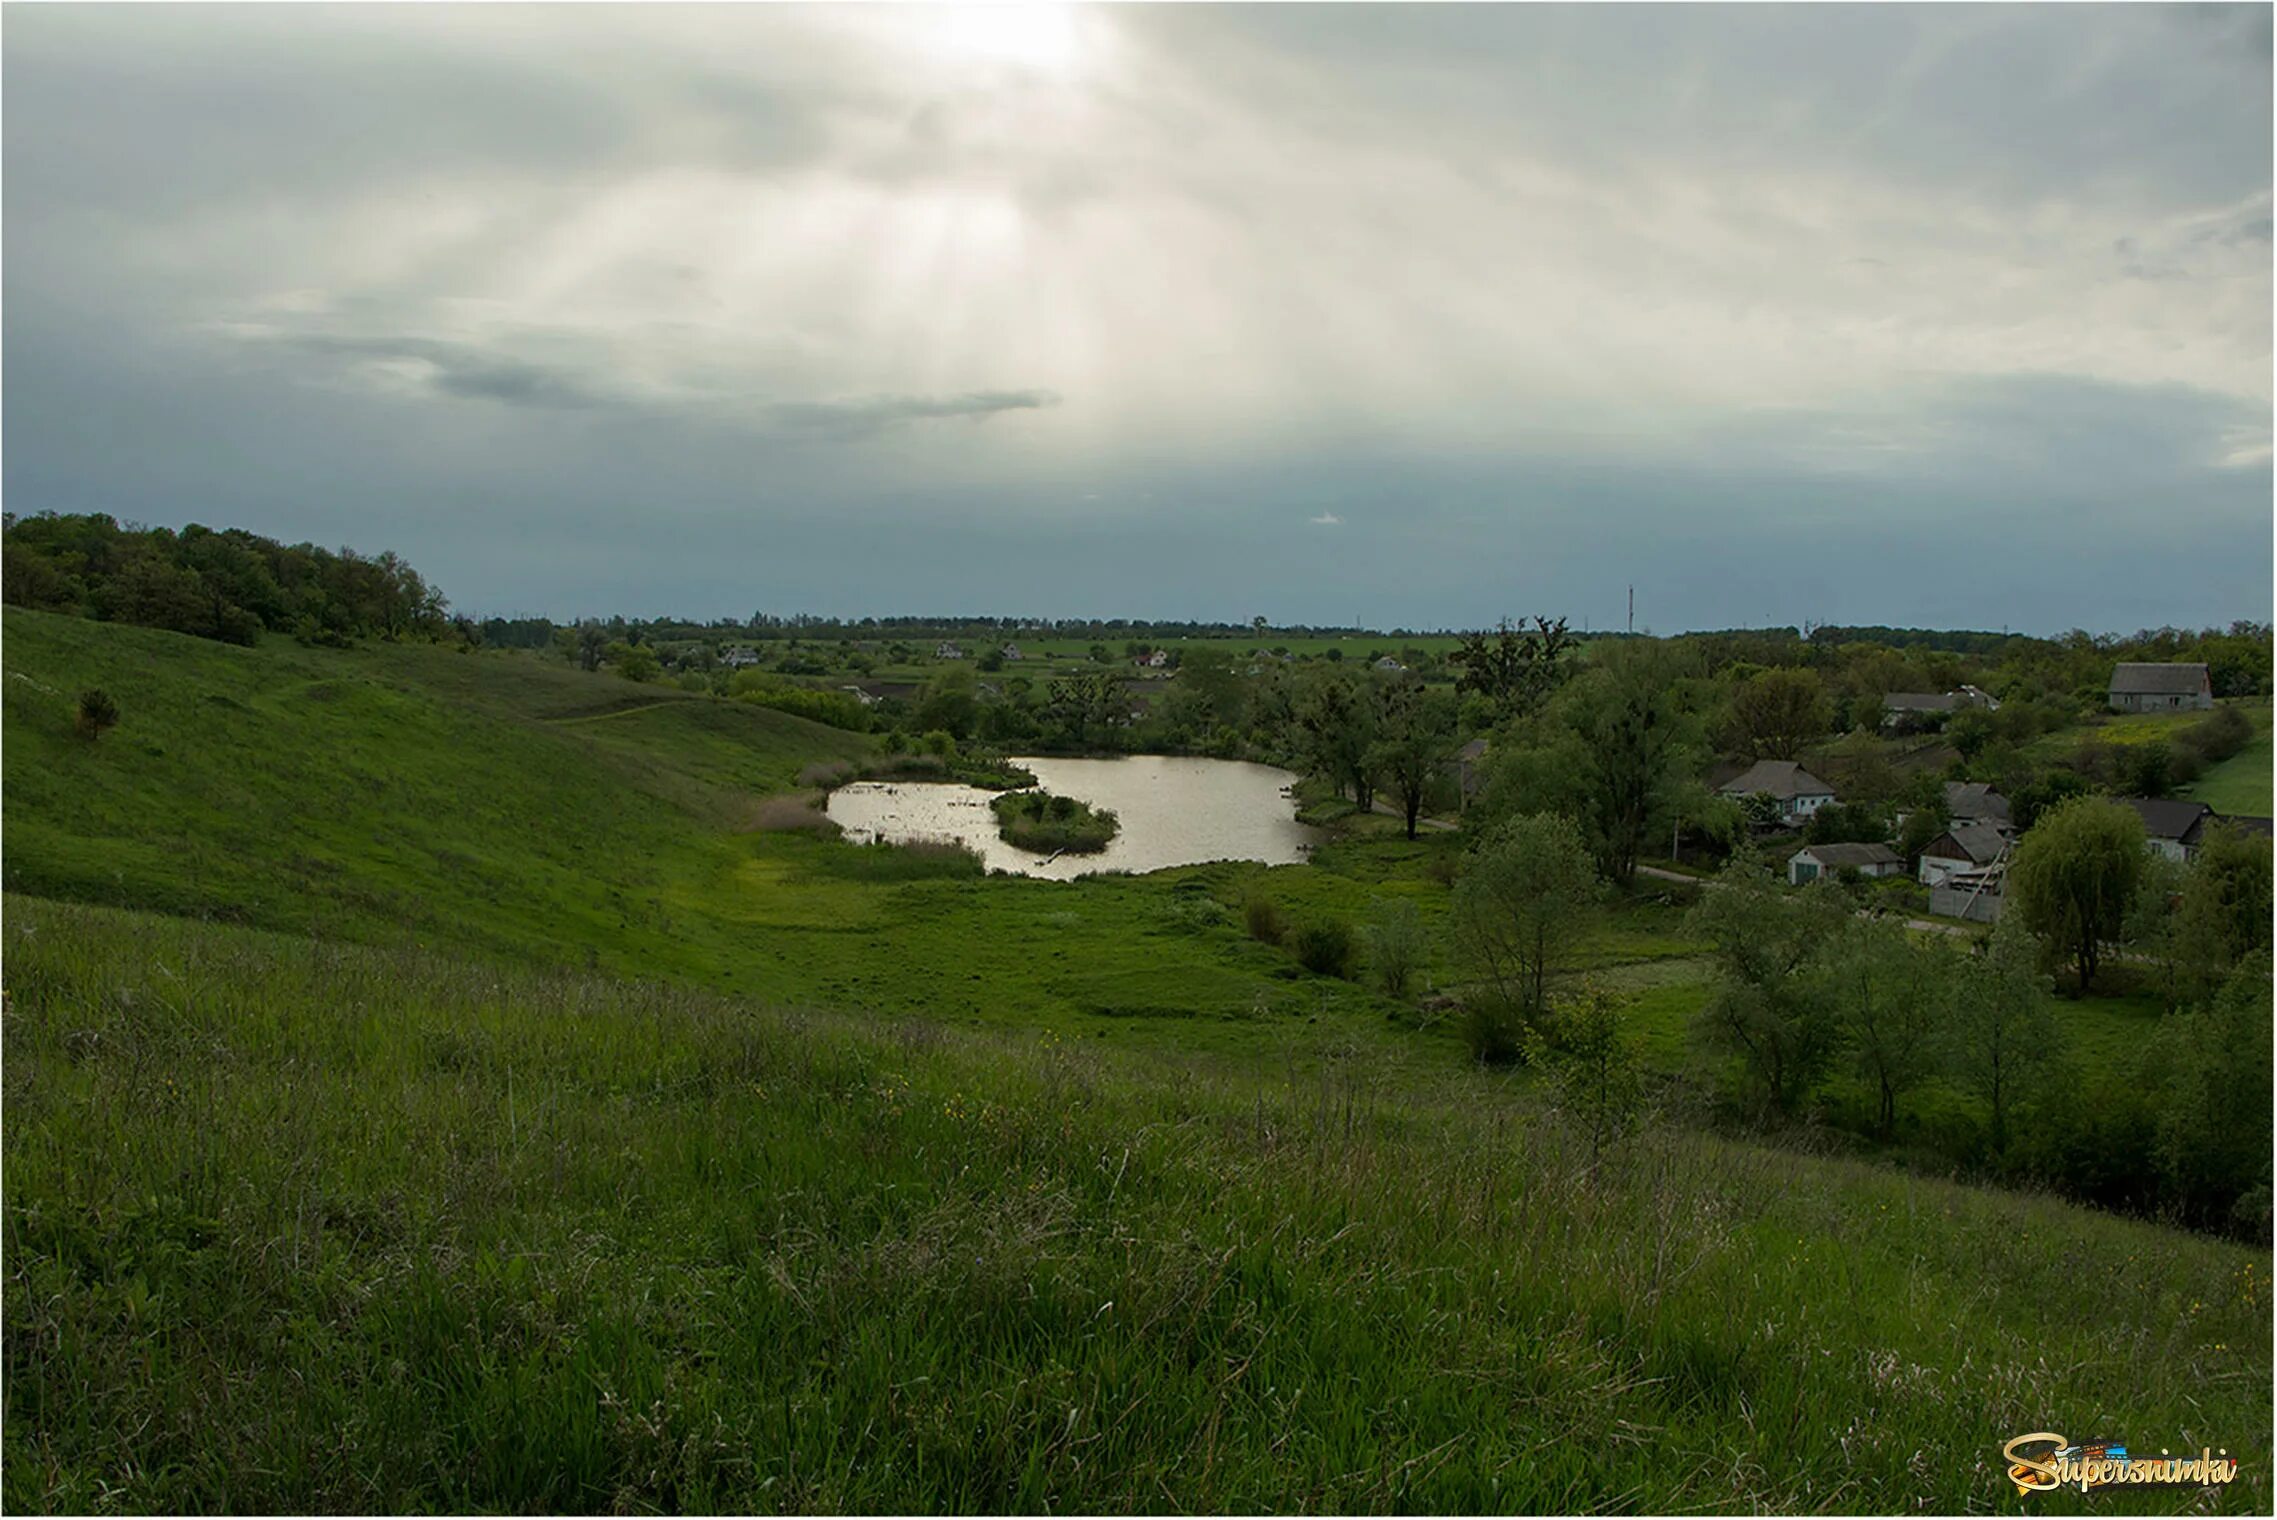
<point>1632,609</point>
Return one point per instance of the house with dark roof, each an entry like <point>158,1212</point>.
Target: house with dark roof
<point>1798,792</point>
<point>2171,826</point>
<point>1813,861</point>
<point>2144,687</point>
<point>1976,802</point>
<point>1901,709</point>
<point>1965,847</point>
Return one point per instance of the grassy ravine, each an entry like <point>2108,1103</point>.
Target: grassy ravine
<point>300,1225</point>
<point>442,1140</point>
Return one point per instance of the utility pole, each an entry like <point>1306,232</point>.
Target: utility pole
<point>1632,609</point>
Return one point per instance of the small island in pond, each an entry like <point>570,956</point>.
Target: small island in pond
<point>1048,825</point>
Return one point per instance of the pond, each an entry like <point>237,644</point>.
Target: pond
<point>1176,810</point>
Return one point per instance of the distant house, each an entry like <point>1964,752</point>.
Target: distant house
<point>2160,688</point>
<point>1964,847</point>
<point>859,695</point>
<point>1469,765</point>
<point>1387,663</point>
<point>1798,792</point>
<point>1812,861</point>
<point>1154,659</point>
<point>1010,651</point>
<point>1976,802</point>
<point>735,657</point>
<point>947,650</point>
<point>2171,827</point>
<point>1911,709</point>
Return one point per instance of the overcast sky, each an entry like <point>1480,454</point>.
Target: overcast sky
<point>1937,316</point>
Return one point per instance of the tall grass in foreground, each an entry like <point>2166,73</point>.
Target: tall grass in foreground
<point>295,1226</point>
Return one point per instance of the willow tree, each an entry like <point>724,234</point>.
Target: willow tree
<point>2075,876</point>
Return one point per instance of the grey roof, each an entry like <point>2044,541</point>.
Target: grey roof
<point>2153,680</point>
<point>2167,818</point>
<point>1975,801</point>
<point>1783,779</point>
<point>1921,701</point>
<point>1852,854</point>
<point>2244,823</point>
<point>1977,843</point>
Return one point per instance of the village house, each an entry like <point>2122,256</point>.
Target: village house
<point>1154,659</point>
<point>1389,665</point>
<point>947,650</point>
<point>1010,651</point>
<point>1962,848</point>
<point>1813,861</point>
<point>735,657</point>
<point>1798,792</point>
<point>1976,802</point>
<point>2171,827</point>
<point>2137,687</point>
<point>1911,709</point>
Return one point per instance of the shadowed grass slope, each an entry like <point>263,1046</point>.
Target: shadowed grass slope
<point>375,792</point>
<point>304,1226</point>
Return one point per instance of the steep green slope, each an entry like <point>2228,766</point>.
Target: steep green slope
<point>297,1226</point>
<point>488,800</point>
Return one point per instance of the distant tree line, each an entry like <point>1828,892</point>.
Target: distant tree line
<point>225,584</point>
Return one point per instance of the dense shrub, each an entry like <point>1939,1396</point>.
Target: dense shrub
<point>1262,917</point>
<point>837,708</point>
<point>1396,944</point>
<point>1493,1029</point>
<point>1324,946</point>
<point>97,714</point>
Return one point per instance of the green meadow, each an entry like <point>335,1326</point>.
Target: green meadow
<point>438,1080</point>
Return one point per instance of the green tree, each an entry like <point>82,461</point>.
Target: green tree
<point>950,701</point>
<point>1969,731</point>
<point>1775,713</point>
<point>97,714</point>
<point>1397,943</point>
<point>1889,998</point>
<point>1999,1032</point>
<point>1519,906</point>
<point>1595,1062</point>
<point>1764,1004</point>
<point>1514,669</point>
<point>2214,1125</point>
<point>2075,876</point>
<point>1415,729</point>
<point>1085,709</point>
<point>1336,720</point>
<point>1636,743</point>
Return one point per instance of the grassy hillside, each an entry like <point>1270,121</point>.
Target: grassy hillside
<point>490,1115</point>
<point>491,800</point>
<point>522,808</point>
<point>294,1226</point>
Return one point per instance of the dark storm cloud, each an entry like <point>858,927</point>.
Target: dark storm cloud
<point>868,414</point>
